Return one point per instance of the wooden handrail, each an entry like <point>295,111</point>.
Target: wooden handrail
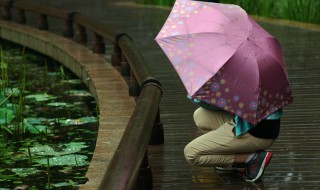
<point>124,166</point>
<point>41,9</point>
<point>136,61</point>
<point>96,27</point>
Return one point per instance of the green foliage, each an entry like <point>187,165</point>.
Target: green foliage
<point>156,2</point>
<point>297,10</point>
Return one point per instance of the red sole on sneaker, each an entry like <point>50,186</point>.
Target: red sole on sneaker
<point>263,166</point>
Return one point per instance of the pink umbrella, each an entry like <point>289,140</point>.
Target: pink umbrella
<point>226,59</point>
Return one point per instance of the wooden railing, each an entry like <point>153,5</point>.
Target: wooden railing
<point>129,166</point>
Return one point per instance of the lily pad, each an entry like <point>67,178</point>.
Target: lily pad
<point>57,104</point>
<point>65,160</point>
<point>70,148</point>
<point>81,121</point>
<point>24,172</point>
<point>75,146</point>
<point>54,73</point>
<point>36,120</point>
<point>43,150</point>
<point>41,97</point>
<point>52,98</point>
<point>37,129</point>
<point>65,184</point>
<point>81,93</point>
<point>73,81</point>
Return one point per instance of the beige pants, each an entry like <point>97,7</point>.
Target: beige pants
<point>219,146</point>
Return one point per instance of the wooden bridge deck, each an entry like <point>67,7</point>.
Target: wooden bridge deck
<point>295,164</point>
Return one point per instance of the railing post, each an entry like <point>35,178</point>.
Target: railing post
<point>116,55</point>
<point>144,179</point>
<point>43,22</point>
<point>98,44</point>
<point>7,10</point>
<point>134,87</point>
<point>81,35</point>
<point>68,26</point>
<point>125,67</point>
<point>157,134</point>
<point>22,19</point>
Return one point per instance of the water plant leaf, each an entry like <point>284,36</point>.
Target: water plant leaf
<point>44,107</point>
<point>54,73</point>
<point>7,177</point>
<point>36,120</point>
<point>37,129</point>
<point>80,93</point>
<point>22,187</point>
<point>65,160</point>
<point>11,106</point>
<point>6,129</point>
<point>4,65</point>
<point>3,99</point>
<point>63,104</point>
<point>73,147</point>
<point>11,92</point>
<point>41,97</point>
<point>73,81</point>
<point>24,172</point>
<point>43,150</point>
<point>80,121</point>
<point>57,104</point>
<point>65,184</point>
<point>69,148</point>
<point>6,115</point>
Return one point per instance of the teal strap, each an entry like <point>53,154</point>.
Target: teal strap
<point>243,126</point>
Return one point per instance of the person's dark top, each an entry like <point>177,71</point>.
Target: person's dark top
<point>266,129</point>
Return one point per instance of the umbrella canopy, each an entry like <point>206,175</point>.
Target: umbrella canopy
<point>226,59</point>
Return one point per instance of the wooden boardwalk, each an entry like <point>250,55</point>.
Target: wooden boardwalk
<point>295,164</point>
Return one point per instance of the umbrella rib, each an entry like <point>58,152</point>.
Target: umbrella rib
<point>271,55</point>
<point>268,37</point>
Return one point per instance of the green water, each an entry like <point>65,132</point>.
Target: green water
<point>48,123</point>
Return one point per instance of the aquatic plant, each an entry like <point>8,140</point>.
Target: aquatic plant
<point>48,123</point>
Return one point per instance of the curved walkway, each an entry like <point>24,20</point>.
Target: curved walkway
<point>295,164</point>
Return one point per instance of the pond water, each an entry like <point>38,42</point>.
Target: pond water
<point>48,123</point>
